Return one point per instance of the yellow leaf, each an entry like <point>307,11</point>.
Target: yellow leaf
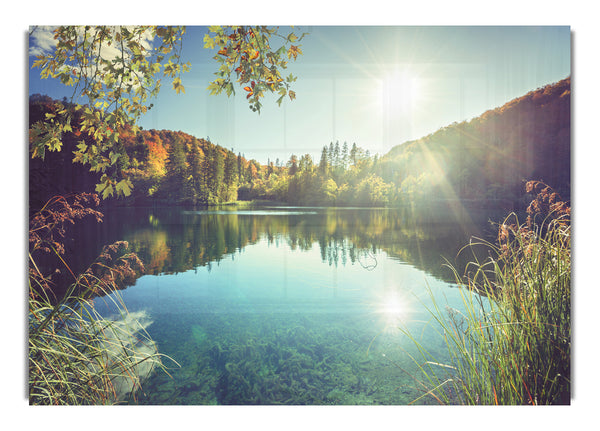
<point>177,86</point>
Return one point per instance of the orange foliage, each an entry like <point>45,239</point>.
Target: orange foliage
<point>157,157</point>
<point>253,171</point>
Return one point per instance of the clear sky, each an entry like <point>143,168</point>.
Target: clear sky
<point>378,86</point>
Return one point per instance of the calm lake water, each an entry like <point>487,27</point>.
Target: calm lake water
<point>281,305</point>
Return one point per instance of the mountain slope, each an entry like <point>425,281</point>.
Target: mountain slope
<point>492,155</point>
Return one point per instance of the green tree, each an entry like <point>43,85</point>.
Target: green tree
<point>177,185</point>
<point>240,169</point>
<point>354,153</point>
<point>331,155</point>
<point>230,174</point>
<point>198,186</point>
<point>219,171</point>
<point>345,155</point>
<point>336,155</point>
<point>306,163</point>
<point>214,172</point>
<point>230,169</point>
<point>414,189</point>
<point>323,163</point>
<point>373,191</point>
<point>328,191</point>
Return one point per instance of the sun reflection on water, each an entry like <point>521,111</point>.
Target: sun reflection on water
<point>394,310</point>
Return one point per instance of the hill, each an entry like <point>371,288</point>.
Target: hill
<point>490,157</point>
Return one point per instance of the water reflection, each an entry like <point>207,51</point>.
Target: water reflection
<point>172,241</point>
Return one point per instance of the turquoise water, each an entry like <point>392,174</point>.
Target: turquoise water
<point>284,306</point>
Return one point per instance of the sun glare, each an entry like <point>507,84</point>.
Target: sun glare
<point>394,309</point>
<point>404,88</point>
<point>392,306</point>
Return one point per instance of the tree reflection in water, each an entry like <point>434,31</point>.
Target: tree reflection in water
<point>172,240</point>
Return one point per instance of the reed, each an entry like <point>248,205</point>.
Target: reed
<point>512,342</point>
<point>76,356</point>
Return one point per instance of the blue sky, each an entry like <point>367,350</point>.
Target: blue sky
<point>378,86</point>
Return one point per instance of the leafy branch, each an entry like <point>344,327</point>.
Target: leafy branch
<point>246,57</point>
<point>115,68</point>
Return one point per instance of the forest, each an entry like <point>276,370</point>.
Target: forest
<point>486,160</point>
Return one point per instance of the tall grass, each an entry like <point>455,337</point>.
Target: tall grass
<point>512,342</point>
<point>76,356</point>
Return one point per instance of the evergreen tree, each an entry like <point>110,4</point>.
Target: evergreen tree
<point>195,162</point>
<point>331,155</point>
<point>336,155</point>
<point>230,170</point>
<point>209,173</point>
<point>306,163</point>
<point>219,186</point>
<point>240,169</point>
<point>353,153</point>
<point>323,164</point>
<point>251,173</point>
<point>176,186</point>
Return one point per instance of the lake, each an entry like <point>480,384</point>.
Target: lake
<point>289,305</point>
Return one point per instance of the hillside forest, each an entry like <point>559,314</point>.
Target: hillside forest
<point>486,160</point>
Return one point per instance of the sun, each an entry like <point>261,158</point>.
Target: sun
<point>403,87</point>
<point>401,95</point>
